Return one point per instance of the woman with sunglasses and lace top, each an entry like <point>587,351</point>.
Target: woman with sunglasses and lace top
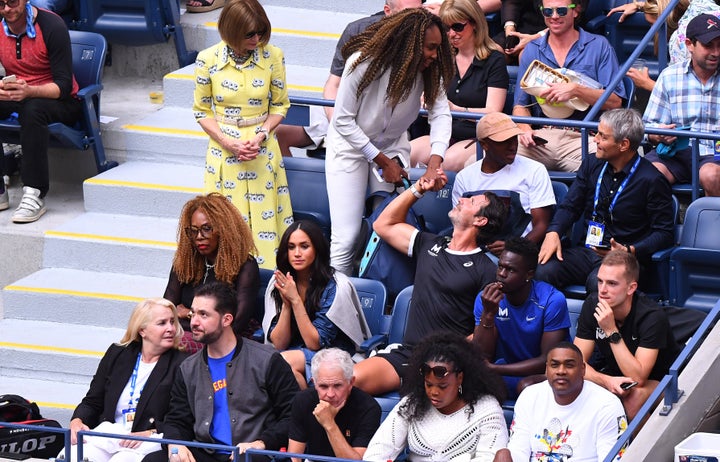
<point>240,97</point>
<point>451,410</point>
<point>479,85</point>
<point>214,244</point>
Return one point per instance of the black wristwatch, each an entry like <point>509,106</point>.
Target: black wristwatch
<point>614,337</point>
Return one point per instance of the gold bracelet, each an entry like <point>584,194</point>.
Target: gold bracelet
<point>491,326</point>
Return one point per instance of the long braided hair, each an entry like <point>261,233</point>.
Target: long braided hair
<point>235,240</point>
<point>395,44</point>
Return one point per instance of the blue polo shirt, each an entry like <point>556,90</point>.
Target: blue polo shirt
<point>591,55</point>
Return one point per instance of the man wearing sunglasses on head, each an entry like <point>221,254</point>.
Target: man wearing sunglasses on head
<point>589,55</point>
<point>35,49</point>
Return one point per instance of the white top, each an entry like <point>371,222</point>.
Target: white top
<point>144,371</point>
<point>527,177</point>
<point>369,125</point>
<point>462,435</point>
<point>583,431</point>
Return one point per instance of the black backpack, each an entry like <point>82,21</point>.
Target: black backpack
<point>15,408</point>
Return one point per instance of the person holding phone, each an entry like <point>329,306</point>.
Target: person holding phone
<point>388,67</point>
<point>42,92</point>
<point>631,331</point>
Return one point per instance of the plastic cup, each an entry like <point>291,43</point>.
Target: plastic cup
<point>639,64</point>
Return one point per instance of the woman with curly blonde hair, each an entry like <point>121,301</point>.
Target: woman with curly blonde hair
<point>214,244</point>
<point>387,70</point>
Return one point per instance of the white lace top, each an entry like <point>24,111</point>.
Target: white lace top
<point>460,436</point>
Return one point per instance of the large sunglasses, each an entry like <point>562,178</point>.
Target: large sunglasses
<point>205,231</point>
<point>438,371</point>
<point>10,3</point>
<point>458,26</point>
<point>253,33</point>
<point>560,10</point>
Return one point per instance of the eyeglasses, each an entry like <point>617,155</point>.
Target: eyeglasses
<point>251,34</point>
<point>438,371</point>
<point>560,10</point>
<point>458,26</point>
<point>205,231</point>
<point>10,3</point>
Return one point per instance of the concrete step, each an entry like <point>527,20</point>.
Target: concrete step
<point>144,189</point>
<point>178,86</point>
<point>57,400</point>
<point>53,351</point>
<point>136,245</point>
<point>73,296</point>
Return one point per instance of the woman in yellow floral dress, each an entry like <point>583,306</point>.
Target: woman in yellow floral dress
<point>240,97</point>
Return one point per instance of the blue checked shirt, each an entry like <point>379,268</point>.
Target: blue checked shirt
<point>680,98</point>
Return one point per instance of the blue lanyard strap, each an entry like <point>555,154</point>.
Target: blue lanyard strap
<point>620,189</point>
<point>133,380</point>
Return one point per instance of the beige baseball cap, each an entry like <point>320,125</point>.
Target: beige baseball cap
<point>497,126</point>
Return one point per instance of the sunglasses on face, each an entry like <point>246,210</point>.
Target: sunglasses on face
<point>10,3</point>
<point>438,371</point>
<point>560,10</point>
<point>205,231</point>
<point>259,33</point>
<point>458,26</point>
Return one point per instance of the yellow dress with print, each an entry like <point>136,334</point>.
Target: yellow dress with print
<point>258,188</point>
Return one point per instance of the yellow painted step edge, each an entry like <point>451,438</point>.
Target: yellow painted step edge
<point>99,237</point>
<point>278,30</point>
<point>137,184</point>
<point>74,351</point>
<point>74,293</point>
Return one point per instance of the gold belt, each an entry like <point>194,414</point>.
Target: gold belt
<point>240,122</point>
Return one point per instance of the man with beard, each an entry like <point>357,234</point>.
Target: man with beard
<point>517,319</point>
<point>450,272</point>
<point>233,392</point>
<point>565,417</point>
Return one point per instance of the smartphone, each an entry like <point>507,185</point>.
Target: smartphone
<point>628,385</point>
<point>538,140</point>
<point>511,41</point>
<point>9,79</point>
<point>602,246</point>
<point>398,158</point>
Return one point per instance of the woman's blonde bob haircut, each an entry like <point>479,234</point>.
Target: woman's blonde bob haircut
<point>142,316</point>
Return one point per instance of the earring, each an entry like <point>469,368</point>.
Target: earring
<point>460,390</point>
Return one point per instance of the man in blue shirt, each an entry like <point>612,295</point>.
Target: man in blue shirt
<point>584,53</point>
<point>518,319</point>
<point>686,94</point>
<point>625,204</point>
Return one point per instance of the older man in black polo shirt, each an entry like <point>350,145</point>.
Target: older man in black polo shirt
<point>625,202</point>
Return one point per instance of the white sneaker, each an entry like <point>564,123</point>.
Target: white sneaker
<point>4,200</point>
<point>31,207</point>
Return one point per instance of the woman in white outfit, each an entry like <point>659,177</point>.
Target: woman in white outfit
<point>389,67</point>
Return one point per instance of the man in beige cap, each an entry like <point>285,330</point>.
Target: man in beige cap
<point>524,181</point>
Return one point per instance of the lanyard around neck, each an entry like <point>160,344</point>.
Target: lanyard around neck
<point>620,189</point>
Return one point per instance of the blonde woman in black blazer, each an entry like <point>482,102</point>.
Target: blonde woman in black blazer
<point>130,391</point>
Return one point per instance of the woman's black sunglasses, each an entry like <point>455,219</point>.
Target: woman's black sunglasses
<point>438,371</point>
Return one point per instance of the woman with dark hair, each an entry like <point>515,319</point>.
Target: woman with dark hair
<point>308,306</point>
<point>451,409</point>
<point>388,67</point>
<point>240,98</point>
<point>214,244</point>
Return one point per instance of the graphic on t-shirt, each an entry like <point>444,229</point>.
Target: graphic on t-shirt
<point>555,443</point>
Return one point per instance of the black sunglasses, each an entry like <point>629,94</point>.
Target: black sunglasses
<point>458,26</point>
<point>10,3</point>
<point>438,371</point>
<point>561,10</point>
<point>205,231</point>
<point>253,33</point>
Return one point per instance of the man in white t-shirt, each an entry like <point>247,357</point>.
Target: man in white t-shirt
<point>502,170</point>
<point>565,417</point>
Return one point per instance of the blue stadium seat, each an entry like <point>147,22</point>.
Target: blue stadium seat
<point>373,298</point>
<point>306,180</point>
<point>265,275</point>
<point>398,322</point>
<point>135,23</point>
<point>88,53</point>
<point>695,263</point>
<point>434,206</point>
